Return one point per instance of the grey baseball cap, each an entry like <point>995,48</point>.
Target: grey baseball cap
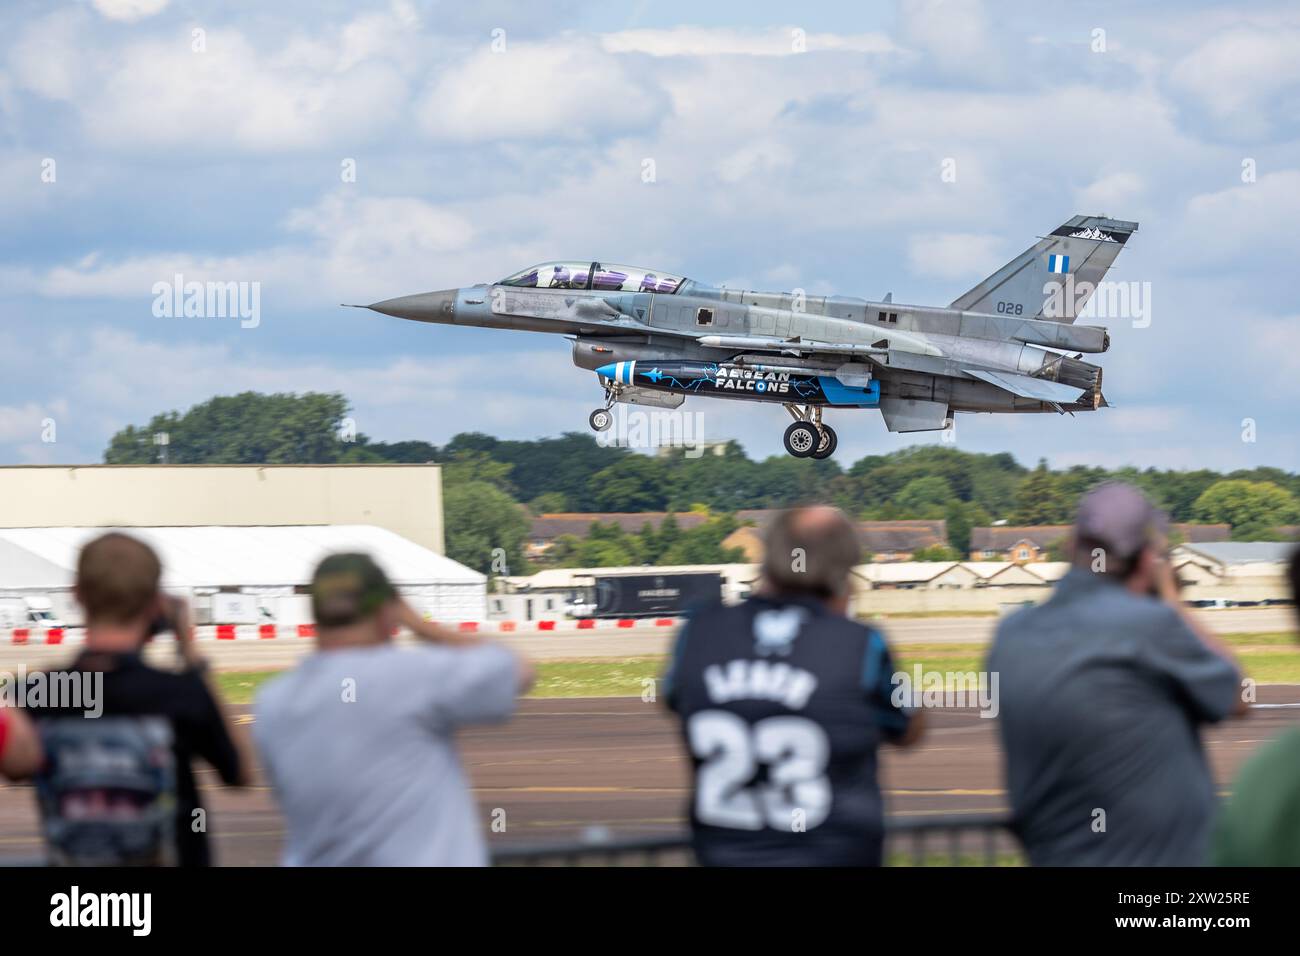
<point>1119,518</point>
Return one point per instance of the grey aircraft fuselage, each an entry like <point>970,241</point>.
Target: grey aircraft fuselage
<point>1001,347</point>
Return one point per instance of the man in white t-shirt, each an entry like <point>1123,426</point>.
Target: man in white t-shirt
<point>358,739</point>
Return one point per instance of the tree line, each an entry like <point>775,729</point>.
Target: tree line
<point>493,486</point>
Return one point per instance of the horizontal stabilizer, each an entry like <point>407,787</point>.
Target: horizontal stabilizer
<point>914,415</point>
<point>1026,386</point>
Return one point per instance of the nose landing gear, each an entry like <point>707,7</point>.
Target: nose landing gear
<point>602,418</point>
<point>808,437</point>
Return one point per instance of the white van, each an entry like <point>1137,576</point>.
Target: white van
<point>32,612</point>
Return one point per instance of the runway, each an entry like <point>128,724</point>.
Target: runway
<point>614,767</point>
<point>644,641</point>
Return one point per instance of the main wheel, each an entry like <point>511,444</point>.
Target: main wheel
<point>828,443</point>
<point>600,420</point>
<point>801,439</point>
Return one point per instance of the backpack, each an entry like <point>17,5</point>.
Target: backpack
<point>107,792</point>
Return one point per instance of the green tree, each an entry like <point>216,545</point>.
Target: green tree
<point>404,452</point>
<point>1253,508</point>
<point>563,465</point>
<point>248,428</point>
<point>548,502</point>
<point>703,544</point>
<point>961,517</point>
<point>465,467</point>
<point>635,483</point>
<point>480,519</point>
<point>926,497</point>
<point>563,552</point>
<point>1039,499</point>
<point>937,553</point>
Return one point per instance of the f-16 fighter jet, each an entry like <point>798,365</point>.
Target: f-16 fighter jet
<point>652,338</point>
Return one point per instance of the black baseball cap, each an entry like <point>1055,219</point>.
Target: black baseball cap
<point>347,588</point>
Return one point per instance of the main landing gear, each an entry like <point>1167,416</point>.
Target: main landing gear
<point>808,437</point>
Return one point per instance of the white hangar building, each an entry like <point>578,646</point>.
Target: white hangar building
<point>237,575</point>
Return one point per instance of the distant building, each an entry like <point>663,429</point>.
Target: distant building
<point>1218,561</point>
<point>951,575</point>
<point>239,574</point>
<point>883,541</point>
<point>405,499</point>
<point>696,449</point>
<point>1027,544</point>
<point>914,575</point>
<point>548,528</point>
<point>899,540</point>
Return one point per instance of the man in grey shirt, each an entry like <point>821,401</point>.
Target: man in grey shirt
<point>1103,690</point>
<point>358,738</point>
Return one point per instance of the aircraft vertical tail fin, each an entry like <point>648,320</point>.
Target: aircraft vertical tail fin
<point>1054,278</point>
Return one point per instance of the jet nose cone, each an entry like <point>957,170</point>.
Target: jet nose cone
<point>425,307</point>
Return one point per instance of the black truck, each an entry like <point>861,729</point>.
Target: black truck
<point>655,595</point>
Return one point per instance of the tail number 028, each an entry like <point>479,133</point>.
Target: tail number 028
<point>795,751</point>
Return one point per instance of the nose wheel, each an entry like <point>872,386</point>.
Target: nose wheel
<point>809,437</point>
<point>602,418</point>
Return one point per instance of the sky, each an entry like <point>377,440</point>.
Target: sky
<point>334,152</point>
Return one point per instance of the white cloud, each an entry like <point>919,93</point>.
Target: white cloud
<point>44,58</point>
<point>1246,78</point>
<point>129,10</point>
<point>1247,220</point>
<point>705,41</point>
<point>955,255</point>
<point>27,422</point>
<point>393,399</point>
<point>1116,191</point>
<point>566,89</point>
<point>157,91</point>
<point>354,244</point>
<point>955,35</point>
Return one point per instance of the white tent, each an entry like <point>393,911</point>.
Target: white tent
<point>265,562</point>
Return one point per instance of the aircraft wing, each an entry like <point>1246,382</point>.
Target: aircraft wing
<point>1026,386</point>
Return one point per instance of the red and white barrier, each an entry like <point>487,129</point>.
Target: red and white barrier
<point>265,632</point>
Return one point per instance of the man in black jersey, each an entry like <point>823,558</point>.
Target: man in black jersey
<point>783,701</point>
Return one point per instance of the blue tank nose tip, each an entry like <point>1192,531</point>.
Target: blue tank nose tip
<point>607,371</point>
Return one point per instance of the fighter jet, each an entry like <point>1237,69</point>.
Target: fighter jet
<point>654,338</point>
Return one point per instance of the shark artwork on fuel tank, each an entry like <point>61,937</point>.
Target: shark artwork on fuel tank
<point>1009,345</point>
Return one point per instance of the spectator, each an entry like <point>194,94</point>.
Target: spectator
<point>1103,690</point>
<point>129,796</point>
<point>1260,825</point>
<point>783,702</point>
<point>20,745</point>
<point>358,738</point>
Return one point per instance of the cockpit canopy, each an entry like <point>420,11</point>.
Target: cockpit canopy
<point>602,277</point>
